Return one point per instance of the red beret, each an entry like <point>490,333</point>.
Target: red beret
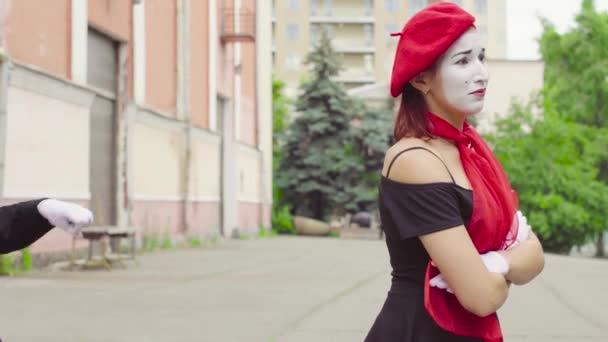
<point>424,38</point>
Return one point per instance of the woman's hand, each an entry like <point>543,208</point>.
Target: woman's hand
<point>493,261</point>
<point>523,230</point>
<point>524,263</point>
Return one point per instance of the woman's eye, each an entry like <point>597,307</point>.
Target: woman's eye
<point>463,61</point>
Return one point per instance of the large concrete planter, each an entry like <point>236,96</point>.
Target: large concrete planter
<point>308,226</point>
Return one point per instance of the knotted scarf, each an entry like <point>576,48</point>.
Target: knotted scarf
<point>494,208</point>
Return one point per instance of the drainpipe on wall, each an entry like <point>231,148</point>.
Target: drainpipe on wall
<point>264,105</point>
<point>183,102</point>
<point>123,206</point>
<point>5,63</point>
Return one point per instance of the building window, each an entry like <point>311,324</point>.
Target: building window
<point>369,34</point>
<point>328,7</point>
<point>314,34</point>
<point>293,4</point>
<point>368,61</point>
<point>293,62</point>
<point>293,31</point>
<point>481,6</point>
<point>390,28</point>
<point>416,5</point>
<point>369,7</point>
<point>314,6</point>
<point>329,30</point>
<point>391,5</point>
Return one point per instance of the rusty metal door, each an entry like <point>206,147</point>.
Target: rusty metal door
<point>102,74</point>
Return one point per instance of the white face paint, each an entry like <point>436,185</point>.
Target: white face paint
<point>461,76</point>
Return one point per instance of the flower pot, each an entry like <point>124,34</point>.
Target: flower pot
<point>308,226</point>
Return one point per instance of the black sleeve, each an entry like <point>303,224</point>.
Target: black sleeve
<point>20,225</point>
<point>419,210</point>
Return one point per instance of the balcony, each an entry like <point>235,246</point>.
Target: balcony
<point>352,46</point>
<point>356,75</point>
<point>349,15</point>
<point>237,26</point>
<point>355,48</point>
<point>346,38</point>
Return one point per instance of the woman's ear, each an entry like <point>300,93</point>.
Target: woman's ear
<point>422,83</point>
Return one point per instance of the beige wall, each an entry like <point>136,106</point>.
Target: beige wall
<point>248,181</point>
<point>155,161</point>
<point>503,87</point>
<point>206,169</point>
<point>288,48</point>
<point>41,160</point>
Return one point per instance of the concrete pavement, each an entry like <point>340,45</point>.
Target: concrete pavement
<point>274,289</point>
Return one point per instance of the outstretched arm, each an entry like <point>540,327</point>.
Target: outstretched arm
<point>20,225</point>
<point>23,223</point>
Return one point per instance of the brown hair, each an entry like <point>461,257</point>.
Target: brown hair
<point>411,119</point>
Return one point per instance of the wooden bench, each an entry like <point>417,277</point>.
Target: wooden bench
<point>101,234</point>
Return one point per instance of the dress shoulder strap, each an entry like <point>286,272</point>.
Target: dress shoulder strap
<point>419,148</point>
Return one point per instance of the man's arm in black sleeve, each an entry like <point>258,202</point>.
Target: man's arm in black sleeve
<point>21,225</point>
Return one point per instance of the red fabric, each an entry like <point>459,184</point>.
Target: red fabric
<point>492,223</point>
<point>424,38</point>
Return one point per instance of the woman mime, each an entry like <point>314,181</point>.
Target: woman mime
<point>454,234</point>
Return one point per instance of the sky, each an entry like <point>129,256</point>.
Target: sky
<point>523,26</point>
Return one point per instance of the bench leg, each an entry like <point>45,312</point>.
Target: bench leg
<point>90,256</point>
<point>73,252</point>
<point>132,246</point>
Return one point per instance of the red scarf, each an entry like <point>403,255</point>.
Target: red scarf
<point>494,207</point>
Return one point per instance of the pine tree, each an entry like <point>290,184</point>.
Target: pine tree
<point>319,155</point>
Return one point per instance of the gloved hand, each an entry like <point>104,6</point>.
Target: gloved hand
<point>523,231</point>
<point>67,216</point>
<point>493,261</point>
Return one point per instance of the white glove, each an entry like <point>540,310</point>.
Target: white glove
<point>523,230</point>
<point>438,281</point>
<point>67,216</point>
<point>493,261</point>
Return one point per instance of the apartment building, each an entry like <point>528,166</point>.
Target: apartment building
<point>360,33</point>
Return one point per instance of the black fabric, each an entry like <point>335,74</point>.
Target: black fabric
<point>406,212</point>
<point>21,225</point>
<point>409,210</point>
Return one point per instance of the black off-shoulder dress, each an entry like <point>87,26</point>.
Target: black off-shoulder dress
<point>407,211</point>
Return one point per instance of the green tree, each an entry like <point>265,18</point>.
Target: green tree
<point>281,216</point>
<point>550,163</point>
<point>576,86</point>
<point>372,135</point>
<point>320,155</point>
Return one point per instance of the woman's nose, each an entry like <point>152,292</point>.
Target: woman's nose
<point>482,76</point>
